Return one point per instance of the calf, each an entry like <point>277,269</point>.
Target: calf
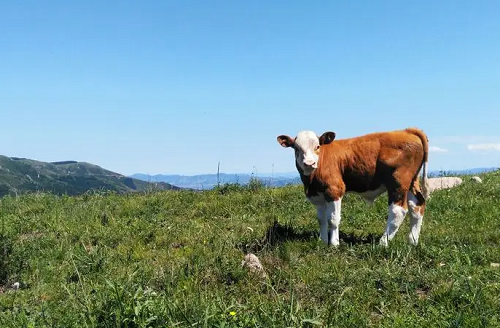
<point>368,165</point>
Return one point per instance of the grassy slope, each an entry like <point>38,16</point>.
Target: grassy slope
<point>172,259</point>
<point>25,175</point>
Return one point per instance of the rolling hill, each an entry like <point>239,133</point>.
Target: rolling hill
<point>20,175</point>
<point>174,259</point>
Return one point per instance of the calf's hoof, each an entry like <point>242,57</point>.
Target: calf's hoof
<point>412,240</point>
<point>334,243</point>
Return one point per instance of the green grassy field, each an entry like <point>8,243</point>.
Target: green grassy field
<point>173,259</point>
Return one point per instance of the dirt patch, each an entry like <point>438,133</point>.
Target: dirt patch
<point>31,235</point>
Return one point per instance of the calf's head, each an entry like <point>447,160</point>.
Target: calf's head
<point>306,146</point>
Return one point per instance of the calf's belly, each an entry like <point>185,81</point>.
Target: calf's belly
<point>370,195</point>
<point>318,199</point>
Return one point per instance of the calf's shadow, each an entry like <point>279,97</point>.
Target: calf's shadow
<point>278,233</point>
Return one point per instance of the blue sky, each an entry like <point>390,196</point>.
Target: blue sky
<point>176,86</point>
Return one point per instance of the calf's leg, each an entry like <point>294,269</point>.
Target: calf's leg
<point>416,206</point>
<point>323,222</point>
<point>333,218</point>
<point>396,215</point>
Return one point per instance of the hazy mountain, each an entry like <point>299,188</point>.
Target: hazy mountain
<point>476,170</point>
<point>18,175</point>
<point>208,181</point>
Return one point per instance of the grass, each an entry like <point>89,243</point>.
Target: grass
<point>173,259</point>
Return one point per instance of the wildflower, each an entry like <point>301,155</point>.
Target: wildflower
<point>232,313</point>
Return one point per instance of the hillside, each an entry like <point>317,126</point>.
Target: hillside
<point>20,175</point>
<point>173,259</point>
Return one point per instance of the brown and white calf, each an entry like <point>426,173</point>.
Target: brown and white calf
<point>368,165</point>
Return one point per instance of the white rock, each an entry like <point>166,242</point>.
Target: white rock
<point>16,285</point>
<point>252,262</point>
<point>477,179</point>
<point>443,183</point>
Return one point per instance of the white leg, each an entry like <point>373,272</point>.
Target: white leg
<point>323,223</point>
<point>416,219</point>
<point>395,218</point>
<point>333,216</point>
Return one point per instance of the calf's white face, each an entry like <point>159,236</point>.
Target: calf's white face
<point>307,151</point>
<point>306,146</point>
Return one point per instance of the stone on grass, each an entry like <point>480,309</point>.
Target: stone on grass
<point>443,183</point>
<point>477,179</point>
<point>252,263</point>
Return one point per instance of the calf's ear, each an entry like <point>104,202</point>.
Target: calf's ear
<point>326,138</point>
<point>285,141</point>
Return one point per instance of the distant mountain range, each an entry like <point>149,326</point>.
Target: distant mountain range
<point>476,170</point>
<point>208,181</point>
<point>19,175</point>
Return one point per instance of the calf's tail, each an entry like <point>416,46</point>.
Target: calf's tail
<point>426,192</point>
<point>424,183</point>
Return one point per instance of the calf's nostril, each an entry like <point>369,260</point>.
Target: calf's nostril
<point>309,163</point>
